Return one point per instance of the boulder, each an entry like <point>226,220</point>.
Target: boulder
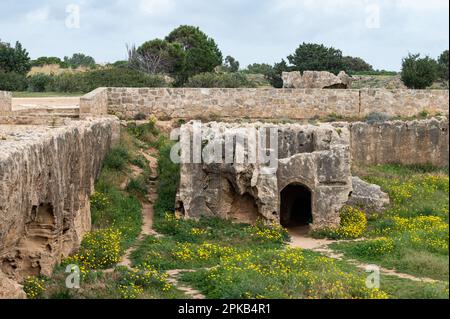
<point>316,80</point>
<point>367,195</point>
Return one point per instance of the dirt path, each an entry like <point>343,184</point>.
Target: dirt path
<point>300,239</point>
<point>174,276</point>
<point>147,229</point>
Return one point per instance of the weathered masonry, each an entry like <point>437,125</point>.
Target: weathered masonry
<point>405,142</point>
<point>47,174</point>
<point>310,183</point>
<point>296,104</point>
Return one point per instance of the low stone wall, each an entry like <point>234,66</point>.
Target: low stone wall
<point>94,103</point>
<point>5,103</point>
<point>404,103</point>
<point>175,103</point>
<point>46,177</point>
<point>296,104</point>
<point>404,142</point>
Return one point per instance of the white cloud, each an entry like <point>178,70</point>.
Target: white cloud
<point>156,7</point>
<point>38,15</point>
<point>431,5</point>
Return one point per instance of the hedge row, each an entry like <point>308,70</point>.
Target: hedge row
<point>113,77</point>
<point>79,82</point>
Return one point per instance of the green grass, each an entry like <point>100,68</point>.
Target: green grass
<point>278,274</point>
<point>115,285</point>
<point>27,94</point>
<point>399,288</point>
<point>412,235</point>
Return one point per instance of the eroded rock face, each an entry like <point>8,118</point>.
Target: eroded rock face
<point>46,177</point>
<point>313,160</point>
<point>9,289</point>
<point>368,196</point>
<point>316,80</point>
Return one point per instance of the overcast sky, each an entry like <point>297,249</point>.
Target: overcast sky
<point>380,31</point>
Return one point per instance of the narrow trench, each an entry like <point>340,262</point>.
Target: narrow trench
<point>147,230</point>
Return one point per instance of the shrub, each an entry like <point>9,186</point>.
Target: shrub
<point>268,233</point>
<point>377,117</point>
<point>40,82</point>
<point>219,80</point>
<point>373,248</point>
<point>353,225</point>
<point>99,201</point>
<point>133,282</point>
<point>120,77</point>
<point>12,82</point>
<point>443,65</point>
<point>69,82</point>
<point>34,287</point>
<point>109,77</point>
<point>117,158</point>
<point>146,132</point>
<point>99,250</point>
<point>137,187</point>
<point>169,175</point>
<point>140,117</point>
<point>419,73</point>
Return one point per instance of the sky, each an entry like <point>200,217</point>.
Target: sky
<point>382,32</point>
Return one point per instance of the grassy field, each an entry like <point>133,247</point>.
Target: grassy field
<point>412,235</point>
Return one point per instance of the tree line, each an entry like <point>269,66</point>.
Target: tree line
<point>191,58</point>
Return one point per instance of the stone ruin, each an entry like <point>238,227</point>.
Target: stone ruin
<point>316,80</point>
<point>310,183</point>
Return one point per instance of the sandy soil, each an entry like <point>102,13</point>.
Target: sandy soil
<point>45,102</point>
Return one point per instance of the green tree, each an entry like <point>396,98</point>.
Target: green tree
<point>158,56</point>
<point>355,64</point>
<point>202,52</point>
<point>274,76</point>
<point>14,59</point>
<point>419,73</point>
<point>44,60</point>
<point>231,64</point>
<point>317,57</point>
<point>80,59</point>
<point>443,65</point>
<point>259,68</point>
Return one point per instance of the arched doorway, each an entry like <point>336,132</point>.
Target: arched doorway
<point>296,206</point>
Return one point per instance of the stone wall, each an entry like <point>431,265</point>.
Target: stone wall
<point>231,103</point>
<point>404,102</point>
<point>5,103</point>
<point>46,177</point>
<point>296,104</point>
<point>405,142</point>
<point>94,103</point>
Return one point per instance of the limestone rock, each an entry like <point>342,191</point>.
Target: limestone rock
<point>10,289</point>
<point>368,196</point>
<point>316,80</point>
<point>46,177</point>
<point>315,160</point>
